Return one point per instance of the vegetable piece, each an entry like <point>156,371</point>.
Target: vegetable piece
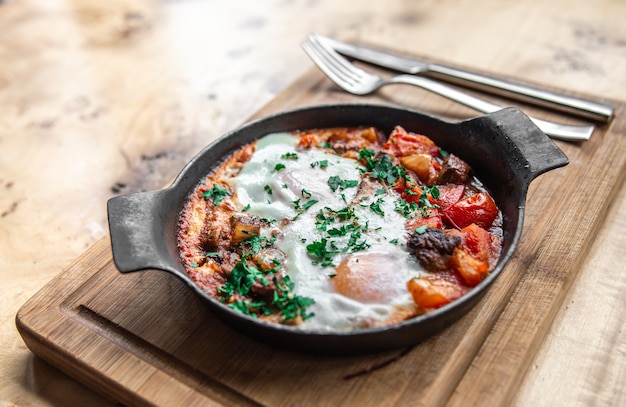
<point>402,143</point>
<point>434,221</point>
<point>434,291</point>
<point>420,164</point>
<point>471,269</point>
<point>412,192</point>
<point>478,208</point>
<point>477,242</point>
<point>472,259</point>
<point>308,140</point>
<point>344,140</point>
<point>449,195</point>
<point>244,227</point>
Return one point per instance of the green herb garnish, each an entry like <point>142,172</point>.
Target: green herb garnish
<point>290,156</point>
<point>375,207</point>
<point>335,182</point>
<point>217,193</point>
<point>322,164</point>
<point>381,166</point>
<point>245,274</point>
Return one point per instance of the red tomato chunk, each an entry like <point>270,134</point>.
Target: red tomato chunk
<point>478,208</point>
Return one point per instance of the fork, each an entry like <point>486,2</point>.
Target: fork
<point>359,82</point>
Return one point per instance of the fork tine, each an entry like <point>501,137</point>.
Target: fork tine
<point>333,65</point>
<point>320,61</point>
<point>337,60</point>
<point>327,65</point>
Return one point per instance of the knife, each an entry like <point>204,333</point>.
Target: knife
<point>579,107</point>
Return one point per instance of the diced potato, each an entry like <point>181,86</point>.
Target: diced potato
<point>244,227</point>
<point>420,164</point>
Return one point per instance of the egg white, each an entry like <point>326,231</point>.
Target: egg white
<point>279,193</point>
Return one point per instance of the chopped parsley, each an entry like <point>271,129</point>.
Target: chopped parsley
<point>291,306</point>
<point>321,163</point>
<point>335,182</point>
<point>424,203</point>
<point>407,209</point>
<point>217,193</point>
<point>432,190</point>
<point>319,250</point>
<point>375,206</point>
<point>301,207</point>
<point>337,224</point>
<point>251,308</point>
<point>343,230</point>
<point>241,279</point>
<point>246,274</point>
<point>290,156</point>
<point>308,204</point>
<point>343,214</point>
<point>422,206</point>
<point>381,167</point>
<point>322,221</point>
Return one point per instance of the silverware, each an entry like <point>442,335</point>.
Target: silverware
<point>357,81</point>
<point>579,107</point>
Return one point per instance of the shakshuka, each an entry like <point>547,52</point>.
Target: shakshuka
<point>339,228</point>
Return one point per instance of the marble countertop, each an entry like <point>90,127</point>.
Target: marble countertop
<point>79,79</point>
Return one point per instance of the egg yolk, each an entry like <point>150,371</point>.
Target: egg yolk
<point>368,278</point>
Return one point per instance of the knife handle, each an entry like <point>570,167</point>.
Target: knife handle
<point>552,129</point>
<point>569,104</point>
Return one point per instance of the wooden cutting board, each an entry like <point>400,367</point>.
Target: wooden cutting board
<point>144,338</point>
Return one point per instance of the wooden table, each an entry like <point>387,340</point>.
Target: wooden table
<point>102,98</point>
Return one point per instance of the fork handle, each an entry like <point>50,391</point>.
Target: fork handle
<point>555,130</point>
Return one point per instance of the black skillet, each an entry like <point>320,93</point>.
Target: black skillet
<point>505,149</point>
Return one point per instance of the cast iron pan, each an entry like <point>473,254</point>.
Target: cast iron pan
<point>505,149</point>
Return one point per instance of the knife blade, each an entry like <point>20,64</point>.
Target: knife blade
<point>580,107</point>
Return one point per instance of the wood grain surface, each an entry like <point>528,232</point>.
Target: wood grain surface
<point>131,336</point>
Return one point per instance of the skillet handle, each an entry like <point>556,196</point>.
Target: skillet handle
<point>538,152</point>
<point>138,225</point>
